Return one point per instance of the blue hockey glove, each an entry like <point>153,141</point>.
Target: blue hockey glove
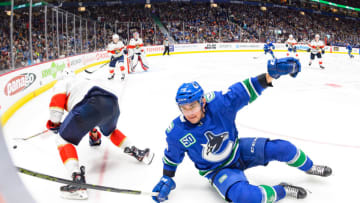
<point>284,66</point>
<point>164,187</point>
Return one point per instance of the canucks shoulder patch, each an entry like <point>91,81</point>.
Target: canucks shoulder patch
<point>209,96</point>
<point>171,126</point>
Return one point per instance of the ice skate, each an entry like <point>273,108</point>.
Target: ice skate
<point>75,191</point>
<point>111,76</point>
<point>323,171</point>
<point>293,191</point>
<point>141,155</point>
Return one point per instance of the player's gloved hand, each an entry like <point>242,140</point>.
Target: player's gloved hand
<point>125,51</point>
<point>286,45</point>
<point>165,185</point>
<point>323,51</point>
<point>308,50</point>
<point>53,126</point>
<point>284,66</point>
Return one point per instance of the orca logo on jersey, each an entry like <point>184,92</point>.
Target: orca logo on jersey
<point>211,150</point>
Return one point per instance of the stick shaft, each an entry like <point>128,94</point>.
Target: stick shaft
<point>89,186</point>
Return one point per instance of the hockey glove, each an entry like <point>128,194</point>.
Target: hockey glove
<point>286,45</point>
<point>164,187</point>
<point>308,50</point>
<point>283,66</point>
<point>125,51</point>
<point>54,127</point>
<point>323,51</point>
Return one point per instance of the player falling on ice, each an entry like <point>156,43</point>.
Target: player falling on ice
<point>207,133</point>
<point>117,50</point>
<point>349,48</point>
<point>269,47</point>
<point>90,104</point>
<point>137,53</point>
<point>291,45</point>
<point>316,49</point>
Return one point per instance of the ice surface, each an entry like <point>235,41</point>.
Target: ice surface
<point>318,111</point>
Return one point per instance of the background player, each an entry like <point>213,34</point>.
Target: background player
<point>90,104</point>
<point>137,53</point>
<point>316,49</point>
<point>291,45</point>
<point>268,47</point>
<point>117,50</point>
<point>349,48</point>
<point>206,131</point>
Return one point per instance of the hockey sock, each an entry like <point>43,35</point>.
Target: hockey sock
<point>244,192</point>
<point>119,139</point>
<point>69,157</point>
<point>320,62</point>
<point>285,151</point>
<point>111,70</point>
<point>122,68</point>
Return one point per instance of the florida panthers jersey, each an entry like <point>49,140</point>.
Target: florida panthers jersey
<point>136,45</point>
<point>116,49</point>
<point>291,43</point>
<point>316,46</point>
<point>69,92</point>
<point>213,142</point>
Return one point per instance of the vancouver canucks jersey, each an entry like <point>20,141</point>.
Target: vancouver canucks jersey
<point>349,47</point>
<point>268,47</point>
<point>213,142</point>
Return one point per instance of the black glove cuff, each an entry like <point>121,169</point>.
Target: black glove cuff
<point>168,173</point>
<point>262,80</point>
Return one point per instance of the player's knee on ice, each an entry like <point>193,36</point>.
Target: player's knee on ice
<point>244,192</point>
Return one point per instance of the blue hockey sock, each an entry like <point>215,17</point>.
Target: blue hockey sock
<point>280,191</point>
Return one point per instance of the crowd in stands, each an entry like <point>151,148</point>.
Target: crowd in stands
<point>183,22</point>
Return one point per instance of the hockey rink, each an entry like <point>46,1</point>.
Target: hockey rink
<point>318,111</point>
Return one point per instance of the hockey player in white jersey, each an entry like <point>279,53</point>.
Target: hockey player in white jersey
<point>117,50</point>
<point>316,48</point>
<point>89,104</point>
<point>137,53</point>
<point>291,45</point>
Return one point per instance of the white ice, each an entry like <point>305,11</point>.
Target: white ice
<point>318,111</point>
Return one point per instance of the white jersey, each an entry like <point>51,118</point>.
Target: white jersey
<point>136,45</point>
<point>116,49</point>
<point>69,92</point>
<point>316,46</point>
<point>291,43</point>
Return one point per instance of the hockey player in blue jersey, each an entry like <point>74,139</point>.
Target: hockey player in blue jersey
<point>349,48</point>
<point>206,131</point>
<point>268,47</point>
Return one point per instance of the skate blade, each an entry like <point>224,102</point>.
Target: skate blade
<point>77,195</point>
<point>148,158</point>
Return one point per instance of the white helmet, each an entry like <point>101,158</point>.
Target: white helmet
<point>115,36</point>
<point>291,36</point>
<point>317,36</point>
<point>136,35</point>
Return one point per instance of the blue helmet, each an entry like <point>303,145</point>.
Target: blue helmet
<point>188,93</point>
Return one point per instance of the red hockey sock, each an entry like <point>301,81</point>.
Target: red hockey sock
<point>67,152</point>
<point>117,137</point>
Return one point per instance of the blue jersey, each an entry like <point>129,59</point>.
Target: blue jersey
<point>268,47</point>
<point>348,47</point>
<point>213,142</point>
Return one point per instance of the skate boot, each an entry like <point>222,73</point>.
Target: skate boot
<point>94,138</point>
<point>323,171</point>
<point>294,191</point>
<point>111,76</point>
<point>141,155</point>
<point>122,76</point>
<point>309,63</point>
<point>75,191</point>
<point>322,67</point>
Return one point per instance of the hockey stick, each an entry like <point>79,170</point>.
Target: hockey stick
<point>32,136</point>
<point>94,70</point>
<point>89,186</point>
